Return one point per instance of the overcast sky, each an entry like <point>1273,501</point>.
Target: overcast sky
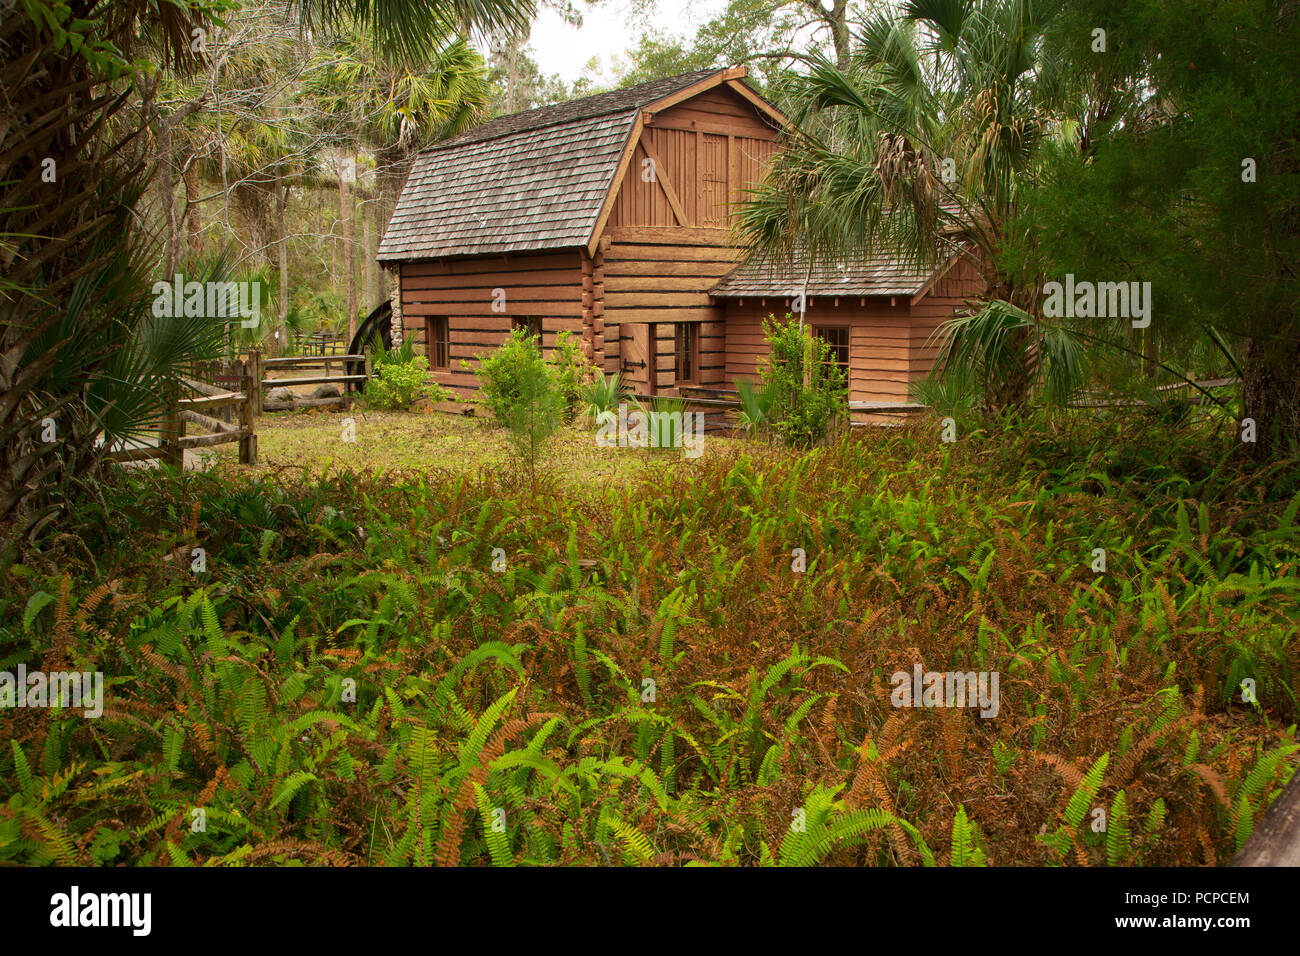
<point>560,48</point>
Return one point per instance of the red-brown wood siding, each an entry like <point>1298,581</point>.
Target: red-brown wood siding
<point>549,287</point>
<point>887,343</point>
<point>662,275</point>
<point>707,151</point>
<point>667,232</point>
<point>879,341</point>
<point>958,286</point>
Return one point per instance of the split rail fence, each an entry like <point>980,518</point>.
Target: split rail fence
<point>211,408</point>
<point>347,381</point>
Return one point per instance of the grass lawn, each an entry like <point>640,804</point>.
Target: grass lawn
<point>313,440</point>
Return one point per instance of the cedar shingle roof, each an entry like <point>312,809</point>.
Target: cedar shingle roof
<point>879,274</point>
<point>529,181</point>
<point>601,104</point>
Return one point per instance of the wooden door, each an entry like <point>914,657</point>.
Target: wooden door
<point>713,180</point>
<point>636,340</point>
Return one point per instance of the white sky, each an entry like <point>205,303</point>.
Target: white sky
<point>605,31</point>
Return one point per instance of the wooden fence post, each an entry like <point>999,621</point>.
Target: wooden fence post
<point>255,369</point>
<point>171,429</point>
<point>247,419</point>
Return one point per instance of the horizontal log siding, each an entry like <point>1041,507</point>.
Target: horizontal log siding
<point>663,276</point>
<point>549,287</point>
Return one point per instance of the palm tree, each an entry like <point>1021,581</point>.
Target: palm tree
<point>393,107</point>
<point>924,146</point>
<point>71,165</point>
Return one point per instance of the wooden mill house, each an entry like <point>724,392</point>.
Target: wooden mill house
<point>608,217</point>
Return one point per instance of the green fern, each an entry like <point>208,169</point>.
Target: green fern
<point>1118,840</point>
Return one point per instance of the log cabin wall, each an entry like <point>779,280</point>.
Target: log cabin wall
<point>889,336</point>
<point>665,242</point>
<point>879,341</point>
<point>547,287</point>
<point>662,275</point>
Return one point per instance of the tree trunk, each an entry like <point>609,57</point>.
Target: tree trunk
<point>367,258</point>
<point>167,191</point>
<point>193,214</point>
<point>282,251</point>
<point>335,244</point>
<point>1270,394</point>
<point>349,249</point>
<point>839,24</point>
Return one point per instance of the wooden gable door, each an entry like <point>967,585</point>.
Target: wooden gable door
<point>713,180</point>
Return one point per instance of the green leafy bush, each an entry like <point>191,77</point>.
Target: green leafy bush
<point>399,377</point>
<point>802,414</point>
<point>755,404</point>
<point>397,385</point>
<point>501,373</point>
<point>665,415</point>
<point>572,372</point>
<point>524,393</point>
<point>601,397</point>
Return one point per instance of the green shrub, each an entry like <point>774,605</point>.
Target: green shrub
<point>802,414</point>
<point>572,372</point>
<point>399,377</point>
<point>500,373</point>
<point>524,393</point>
<point>665,415</point>
<point>396,385</point>
<point>379,355</point>
<point>755,404</point>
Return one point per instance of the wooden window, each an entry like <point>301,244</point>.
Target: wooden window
<point>530,323</point>
<point>688,352</point>
<point>837,337</point>
<point>437,337</point>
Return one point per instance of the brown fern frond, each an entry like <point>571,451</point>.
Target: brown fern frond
<point>174,671</point>
<point>447,853</point>
<point>1214,782</point>
<point>92,601</point>
<point>301,848</point>
<point>1072,775</point>
<point>56,655</point>
<point>889,733</point>
<point>210,789</point>
<point>952,740</point>
<point>1122,771</point>
<point>1081,853</point>
<point>869,781</point>
<point>1167,601</point>
<point>1207,845</point>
